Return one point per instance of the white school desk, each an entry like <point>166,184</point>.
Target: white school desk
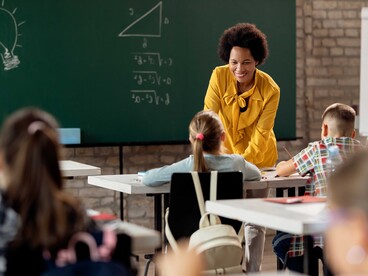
<point>280,183</point>
<point>129,184</point>
<point>143,239</point>
<point>301,219</point>
<point>71,168</point>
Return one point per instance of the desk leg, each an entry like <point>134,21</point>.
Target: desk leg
<point>166,204</point>
<point>291,192</point>
<point>121,167</point>
<point>122,206</point>
<point>279,192</point>
<point>166,201</point>
<point>308,254</point>
<point>158,211</point>
<point>279,264</point>
<point>157,202</point>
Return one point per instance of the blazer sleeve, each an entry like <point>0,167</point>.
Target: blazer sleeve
<point>212,99</point>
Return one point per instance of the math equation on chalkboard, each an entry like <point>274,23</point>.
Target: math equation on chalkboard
<point>149,96</point>
<point>150,69</point>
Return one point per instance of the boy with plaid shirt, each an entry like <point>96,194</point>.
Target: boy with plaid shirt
<point>337,129</point>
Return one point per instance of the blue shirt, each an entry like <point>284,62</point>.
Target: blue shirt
<point>223,162</point>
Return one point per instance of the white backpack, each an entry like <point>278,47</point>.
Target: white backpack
<point>218,243</point>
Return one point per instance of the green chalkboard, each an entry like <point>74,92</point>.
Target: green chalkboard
<point>128,71</point>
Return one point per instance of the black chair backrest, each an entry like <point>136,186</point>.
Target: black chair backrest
<point>184,213</point>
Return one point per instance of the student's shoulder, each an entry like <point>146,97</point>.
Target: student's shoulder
<point>225,157</point>
<point>309,150</point>
<point>314,144</point>
<point>234,158</point>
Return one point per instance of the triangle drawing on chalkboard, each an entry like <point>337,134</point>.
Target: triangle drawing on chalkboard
<point>148,25</point>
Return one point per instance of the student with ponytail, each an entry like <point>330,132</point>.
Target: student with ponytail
<point>32,184</point>
<point>206,135</point>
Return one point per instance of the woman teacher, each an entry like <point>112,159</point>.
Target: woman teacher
<point>246,100</point>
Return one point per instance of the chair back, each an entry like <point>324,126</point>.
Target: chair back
<point>184,214</point>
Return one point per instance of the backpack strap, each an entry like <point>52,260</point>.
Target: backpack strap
<point>169,235</point>
<point>213,192</point>
<point>213,196</point>
<point>199,193</point>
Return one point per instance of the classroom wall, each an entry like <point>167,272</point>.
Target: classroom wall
<point>328,68</point>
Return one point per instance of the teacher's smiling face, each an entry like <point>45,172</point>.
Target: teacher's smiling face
<point>242,65</point>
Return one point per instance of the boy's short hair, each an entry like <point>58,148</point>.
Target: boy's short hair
<point>343,117</point>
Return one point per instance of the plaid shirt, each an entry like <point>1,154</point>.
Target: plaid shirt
<point>313,160</point>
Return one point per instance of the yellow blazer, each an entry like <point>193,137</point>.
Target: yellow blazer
<point>249,133</point>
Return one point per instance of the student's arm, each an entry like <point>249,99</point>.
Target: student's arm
<point>252,173</point>
<point>160,176</point>
<point>249,170</point>
<point>285,168</point>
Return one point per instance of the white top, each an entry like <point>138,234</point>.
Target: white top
<point>71,168</point>
<point>303,218</point>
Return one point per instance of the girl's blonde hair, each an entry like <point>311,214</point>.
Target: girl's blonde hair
<point>205,132</point>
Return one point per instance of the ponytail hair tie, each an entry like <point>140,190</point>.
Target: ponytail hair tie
<point>200,136</point>
<point>35,126</point>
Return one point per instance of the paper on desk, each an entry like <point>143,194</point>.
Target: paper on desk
<point>140,176</point>
<point>268,169</point>
<point>308,209</point>
<point>296,199</point>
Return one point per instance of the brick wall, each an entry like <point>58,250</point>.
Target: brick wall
<point>137,208</point>
<point>328,67</point>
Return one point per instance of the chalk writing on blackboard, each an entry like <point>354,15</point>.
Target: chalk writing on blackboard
<point>147,65</point>
<point>135,28</point>
<point>150,77</point>
<point>149,96</point>
<point>9,37</point>
<point>151,58</point>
